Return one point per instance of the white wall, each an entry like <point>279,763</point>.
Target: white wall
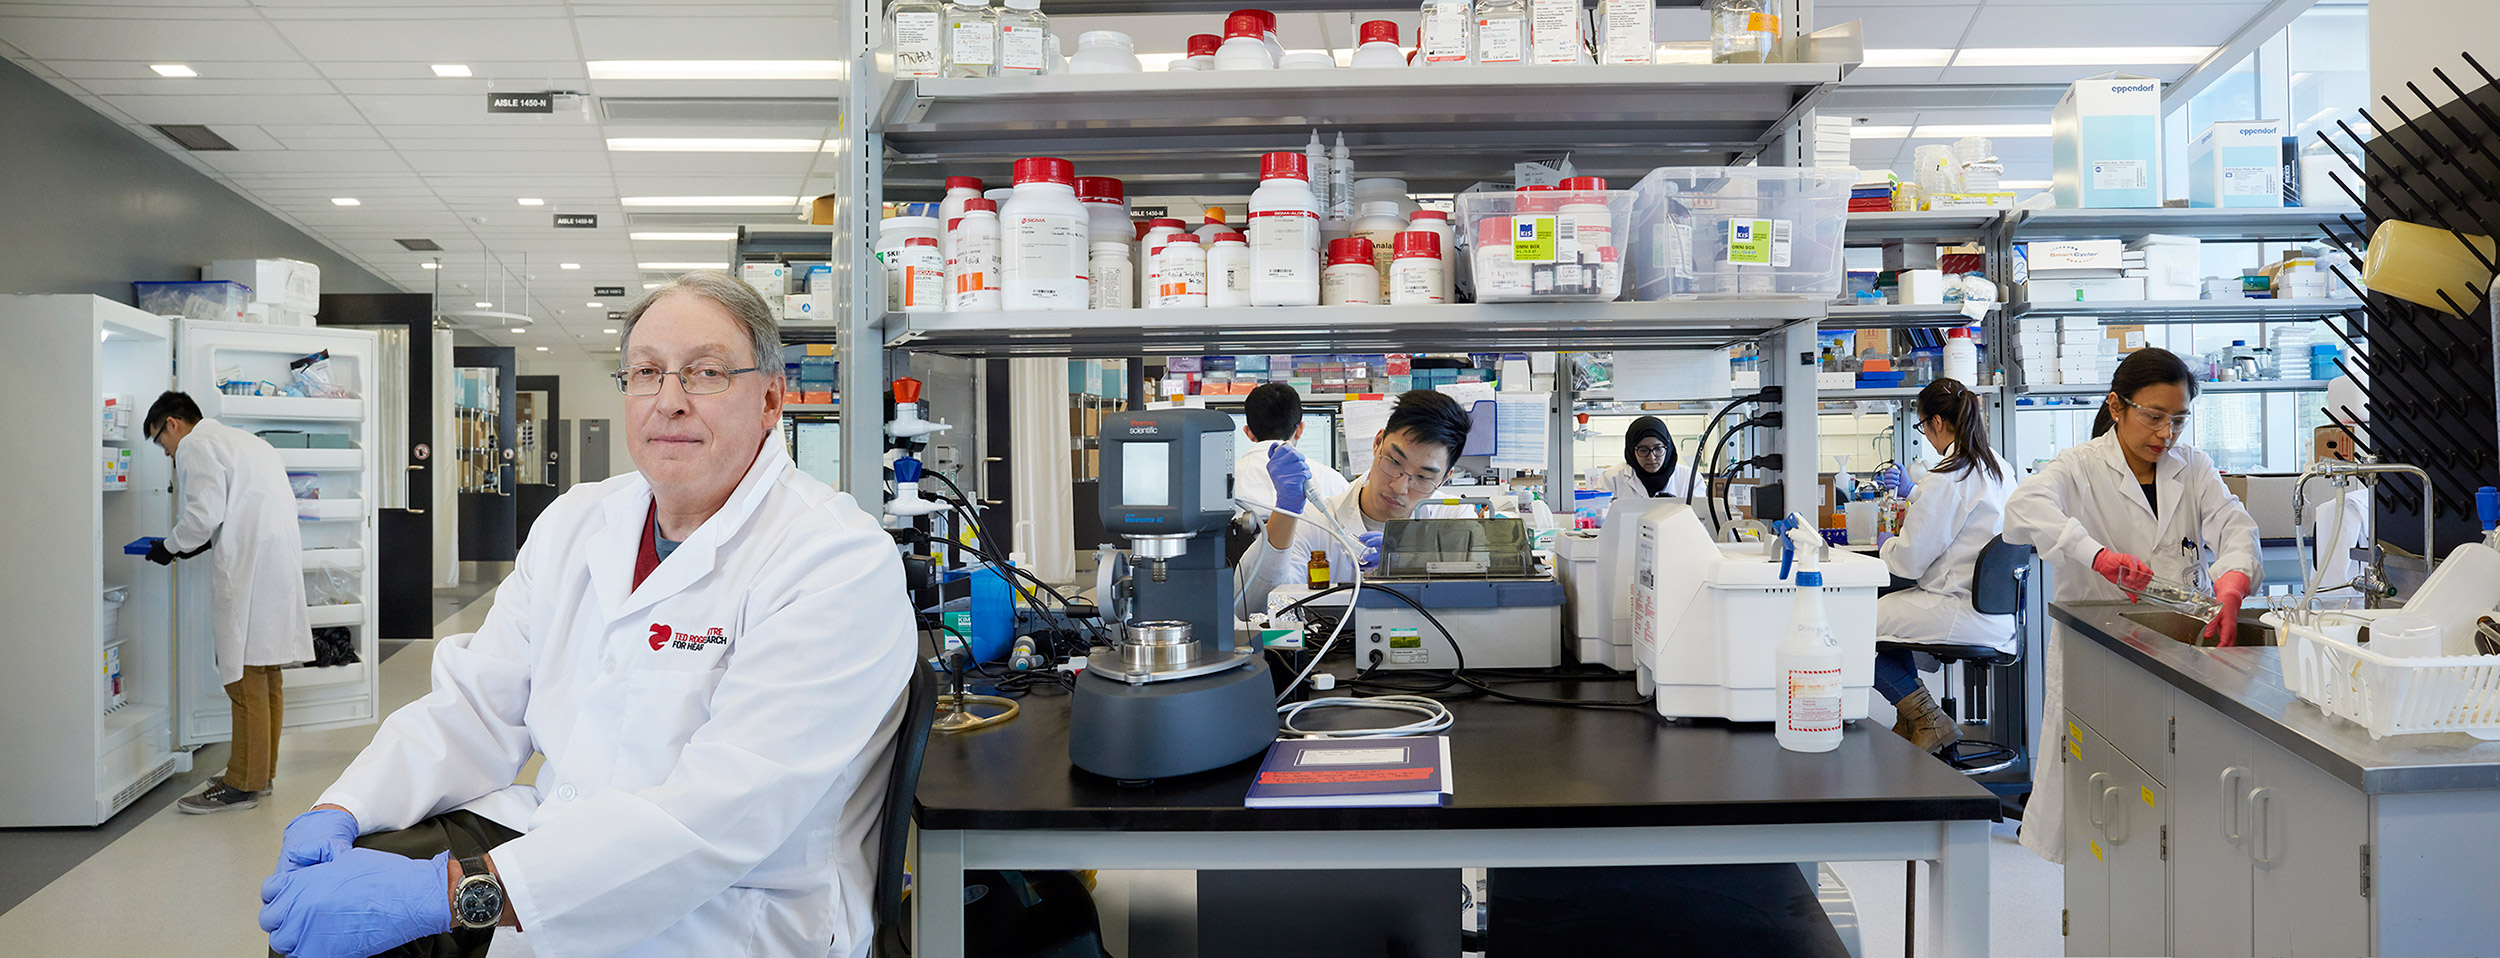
<point>588,393</point>
<point>2410,37</point>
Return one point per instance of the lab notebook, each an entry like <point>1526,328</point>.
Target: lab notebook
<point>1354,773</point>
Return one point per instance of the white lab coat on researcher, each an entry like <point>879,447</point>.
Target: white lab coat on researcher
<point>1951,517</point>
<point>1265,568</point>
<point>2087,500</point>
<point>235,497</point>
<point>716,741</point>
<point>1625,484</point>
<point>1250,479</point>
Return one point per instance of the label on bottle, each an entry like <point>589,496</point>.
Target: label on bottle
<point>1233,281</point>
<point>1554,27</point>
<point>1813,700</point>
<point>916,44</point>
<point>1415,282</point>
<point>1499,40</point>
<point>1023,49</point>
<point>1344,285</point>
<point>1749,242</point>
<point>1282,231</point>
<point>1629,33</point>
<point>1498,276</point>
<point>924,287</point>
<point>1183,282</point>
<point>976,43</point>
<point>1444,38</point>
<point>1044,253</point>
<point>1568,278</point>
<point>974,267</point>
<point>1107,283</point>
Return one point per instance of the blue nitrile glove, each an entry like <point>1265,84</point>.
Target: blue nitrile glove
<point>1292,476</point>
<point>1893,477</point>
<point>361,902</point>
<point>314,837</point>
<point>1371,550</point>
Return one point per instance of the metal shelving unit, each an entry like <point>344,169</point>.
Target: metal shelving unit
<point>2298,224</point>
<point>1891,316</point>
<point>1321,329</point>
<point>2200,310</point>
<point>2223,388</point>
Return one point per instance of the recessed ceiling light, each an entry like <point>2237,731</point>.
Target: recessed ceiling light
<point>596,305</point>
<point>717,69</point>
<point>710,201</point>
<point>568,265</point>
<point>1878,132</point>
<point>1926,57</point>
<point>519,329</point>
<point>610,332</point>
<point>430,265</point>
<point>485,305</point>
<point>451,70</point>
<point>346,201</point>
<point>173,70</point>
<point>684,237</point>
<point>532,201</point>
<point>541,349</point>
<point>420,245</point>
<point>1998,131</point>
<point>680,267</point>
<point>2077,56</point>
<point>711,144</point>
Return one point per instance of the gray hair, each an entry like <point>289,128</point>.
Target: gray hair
<point>731,293</point>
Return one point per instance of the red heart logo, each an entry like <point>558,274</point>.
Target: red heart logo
<point>659,636</point>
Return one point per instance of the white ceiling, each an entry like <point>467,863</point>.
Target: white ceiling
<point>337,98</point>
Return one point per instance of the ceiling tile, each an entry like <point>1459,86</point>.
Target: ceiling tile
<point>205,86</point>
<point>430,40</point>
<point>132,69</point>
<point>711,37</point>
<point>213,110</point>
<point>167,40</point>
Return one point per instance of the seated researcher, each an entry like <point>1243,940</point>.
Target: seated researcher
<point>1411,456</point>
<point>1273,417</point>
<point>709,653</point>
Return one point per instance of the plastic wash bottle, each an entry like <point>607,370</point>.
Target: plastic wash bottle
<point>1809,683</point>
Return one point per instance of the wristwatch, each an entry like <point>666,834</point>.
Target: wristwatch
<point>478,901</point>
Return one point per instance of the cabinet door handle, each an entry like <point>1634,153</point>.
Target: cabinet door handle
<point>2230,817</point>
<point>2261,822</point>
<point>2117,827</point>
<point>2093,809</point>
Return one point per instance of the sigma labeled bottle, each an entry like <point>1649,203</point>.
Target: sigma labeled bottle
<point>1284,234</point>
<point>1106,209</point>
<point>1438,223</point>
<point>971,39</point>
<point>1415,277</point>
<point>923,274</point>
<point>972,262</point>
<point>1380,46</point>
<point>1180,273</point>
<point>1023,39</point>
<point>1242,49</point>
<point>1808,662</point>
<point>1043,233</point>
<point>916,28</point>
<point>1267,33</point>
<point>1228,271</point>
<point>1447,35</point>
<point>1350,279</point>
<point>1501,32</point>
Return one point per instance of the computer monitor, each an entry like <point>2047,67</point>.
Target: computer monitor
<point>816,448</point>
<point>1482,429</point>
<point>1319,435</point>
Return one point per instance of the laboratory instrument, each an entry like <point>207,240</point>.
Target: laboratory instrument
<point>1698,608</point>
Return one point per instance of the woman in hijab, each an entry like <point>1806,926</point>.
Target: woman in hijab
<point>1649,469</point>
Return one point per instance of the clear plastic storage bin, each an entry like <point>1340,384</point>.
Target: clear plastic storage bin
<point>1544,246</point>
<point>1716,232</point>
<point>218,300</point>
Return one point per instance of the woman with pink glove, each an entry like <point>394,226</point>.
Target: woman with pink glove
<point>2112,513</point>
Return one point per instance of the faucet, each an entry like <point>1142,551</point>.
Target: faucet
<point>2372,583</point>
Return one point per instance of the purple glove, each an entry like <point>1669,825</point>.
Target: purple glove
<point>1292,476</point>
<point>1895,478</point>
<point>1371,550</point>
<point>362,902</point>
<point>314,837</point>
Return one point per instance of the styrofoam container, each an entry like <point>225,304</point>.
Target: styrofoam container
<point>284,285</point>
<point>1739,232</point>
<point>216,301</point>
<point>1540,233</point>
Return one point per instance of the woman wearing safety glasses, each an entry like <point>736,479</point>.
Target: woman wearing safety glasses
<point>1649,468</point>
<point>2112,514</point>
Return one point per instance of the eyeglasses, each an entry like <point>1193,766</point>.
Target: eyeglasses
<point>1406,480</point>
<point>700,379</point>
<point>2154,419</point>
<point>1649,449</point>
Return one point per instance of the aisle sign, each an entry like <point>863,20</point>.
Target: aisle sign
<point>607,291</point>
<point>520,103</point>
<point>578,221</point>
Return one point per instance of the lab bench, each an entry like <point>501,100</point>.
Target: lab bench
<point>2209,811</point>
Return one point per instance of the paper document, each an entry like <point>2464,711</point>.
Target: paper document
<point>1523,430</point>
<point>1364,419</point>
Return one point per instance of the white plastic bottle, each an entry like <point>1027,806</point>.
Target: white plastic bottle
<point>1242,49</point>
<point>1379,46</point>
<point>1808,680</point>
<point>1267,33</point>
<point>1023,39</point>
<point>1228,271</point>
<point>971,39</point>
<point>1350,279</point>
<point>1104,51</point>
<point>1180,273</point>
<point>959,190</point>
<point>1106,209</point>
<point>1109,279</point>
<point>1284,234</point>
<point>923,274</point>
<point>972,263</point>
<point>1202,47</point>
<point>1043,244</point>
<point>916,29</point>
<point>1380,226</point>
<point>1211,226</point>
<point>1340,182</point>
<point>1961,356</point>
<point>1438,223</point>
<point>1447,36</point>
<point>1501,32</point>
<point>1158,230</point>
<point>1415,276</point>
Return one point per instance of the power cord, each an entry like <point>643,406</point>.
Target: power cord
<point>1436,716</point>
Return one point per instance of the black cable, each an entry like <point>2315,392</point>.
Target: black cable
<point>1460,673</point>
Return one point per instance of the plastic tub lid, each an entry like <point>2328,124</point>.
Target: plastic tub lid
<point>1441,215</point>
<point>900,225</point>
<point>1266,19</point>
<point>1241,25</point>
<point>1352,250</point>
<point>972,183</point>
<point>1113,37</point>
<point>1381,31</point>
<point>1286,165</point>
<point>1045,169</point>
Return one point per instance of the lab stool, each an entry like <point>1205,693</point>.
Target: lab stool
<point>1996,589</point>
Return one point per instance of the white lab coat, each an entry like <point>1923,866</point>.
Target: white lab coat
<point>2087,500</point>
<point>235,496</point>
<point>1250,479</point>
<point>1265,568</point>
<point>1626,484</point>
<point>716,741</point>
<point>1951,517</point>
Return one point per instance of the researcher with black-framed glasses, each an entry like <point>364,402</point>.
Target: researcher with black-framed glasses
<point>2110,515</point>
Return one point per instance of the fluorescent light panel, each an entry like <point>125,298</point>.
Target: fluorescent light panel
<point>429,265</point>
<point>683,237</point>
<point>712,144</point>
<point>716,69</point>
<point>451,70</point>
<point>1878,132</point>
<point>791,201</point>
<point>596,305</point>
<point>1994,131</point>
<point>518,329</point>
<point>568,265</point>
<point>173,70</point>
<point>346,201</point>
<point>2077,56</point>
<point>532,201</point>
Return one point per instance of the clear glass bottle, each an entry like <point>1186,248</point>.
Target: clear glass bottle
<point>1446,36</point>
<point>915,30</point>
<point>1023,39</point>
<point>1501,32</point>
<point>971,39</point>
<point>1743,31</point>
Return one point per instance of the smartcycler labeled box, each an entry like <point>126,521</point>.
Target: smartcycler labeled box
<point>2106,142</point>
<point>2237,165</point>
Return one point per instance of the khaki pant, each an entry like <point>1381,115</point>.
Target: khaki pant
<point>259,709</point>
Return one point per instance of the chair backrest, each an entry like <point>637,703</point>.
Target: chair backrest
<point>1996,583</point>
<point>911,743</point>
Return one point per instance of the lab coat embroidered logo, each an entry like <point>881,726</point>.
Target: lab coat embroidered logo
<point>664,637</point>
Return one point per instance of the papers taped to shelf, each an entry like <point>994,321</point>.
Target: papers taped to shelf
<point>1644,375</point>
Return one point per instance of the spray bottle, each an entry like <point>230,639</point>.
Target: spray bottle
<point>1809,683</point>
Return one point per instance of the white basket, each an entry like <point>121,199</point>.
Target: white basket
<point>2389,695</point>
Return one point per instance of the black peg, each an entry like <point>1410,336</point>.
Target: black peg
<point>2401,182</point>
<point>2490,123</point>
<point>2432,110</point>
<point>2331,236</point>
<point>2478,67</point>
<point>2357,445</point>
<point>2450,192</point>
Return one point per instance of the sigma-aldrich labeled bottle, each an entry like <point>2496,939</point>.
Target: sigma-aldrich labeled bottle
<point>915,28</point>
<point>971,39</point>
<point>1284,234</point>
<point>1501,32</point>
<point>1044,246</point>
<point>1446,37</point>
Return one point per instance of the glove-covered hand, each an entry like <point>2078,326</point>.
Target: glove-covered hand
<point>2231,590</point>
<point>1371,550</point>
<point>157,553</point>
<point>361,902</point>
<point>1895,478</point>
<point>1292,476</point>
<point>314,837</point>
<point>2128,572</point>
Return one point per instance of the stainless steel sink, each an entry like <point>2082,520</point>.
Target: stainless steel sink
<point>2189,630</point>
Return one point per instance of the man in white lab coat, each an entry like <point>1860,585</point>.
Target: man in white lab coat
<point>708,652</point>
<point>235,497</point>
<point>1411,456</point>
<point>1274,414</point>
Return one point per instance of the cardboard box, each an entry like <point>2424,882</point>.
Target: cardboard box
<point>816,397</point>
<point>771,280</point>
<point>2237,165</point>
<point>798,306</point>
<point>2105,143</point>
<point>2129,337</point>
<point>1922,287</point>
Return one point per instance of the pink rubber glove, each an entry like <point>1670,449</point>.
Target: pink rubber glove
<point>2231,589</point>
<point>2128,572</point>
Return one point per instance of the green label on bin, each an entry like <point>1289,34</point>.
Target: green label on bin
<point>1749,241</point>
<point>1532,239</point>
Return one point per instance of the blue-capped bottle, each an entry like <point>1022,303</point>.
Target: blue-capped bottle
<point>1809,681</point>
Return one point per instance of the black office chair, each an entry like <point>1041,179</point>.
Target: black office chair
<point>911,743</point>
<point>1996,588</point>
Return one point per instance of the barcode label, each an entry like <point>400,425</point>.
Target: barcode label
<point>1780,230</point>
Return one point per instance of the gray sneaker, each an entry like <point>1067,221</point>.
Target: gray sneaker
<point>218,798</point>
